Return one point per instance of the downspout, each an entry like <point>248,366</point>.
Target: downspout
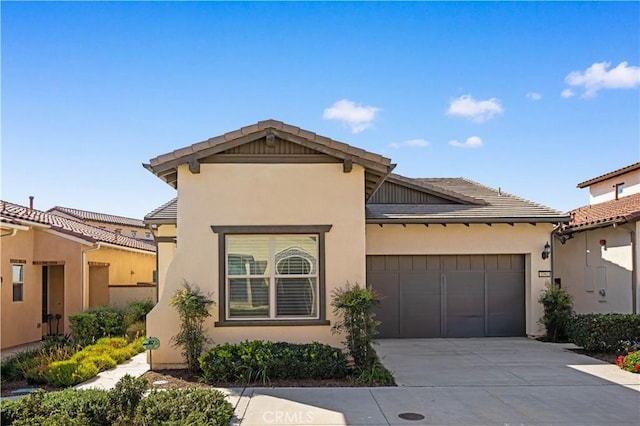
<point>10,234</point>
<point>97,247</point>
<point>553,251</point>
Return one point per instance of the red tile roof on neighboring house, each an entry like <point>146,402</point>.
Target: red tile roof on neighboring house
<point>624,209</point>
<point>89,233</point>
<point>97,217</point>
<point>627,169</point>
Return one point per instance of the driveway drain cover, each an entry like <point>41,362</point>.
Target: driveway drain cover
<point>411,416</point>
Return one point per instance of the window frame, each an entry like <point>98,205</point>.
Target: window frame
<point>17,283</point>
<point>223,231</point>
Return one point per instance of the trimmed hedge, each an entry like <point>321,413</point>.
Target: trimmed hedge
<point>104,321</point>
<point>259,361</point>
<point>123,405</point>
<point>612,333</point>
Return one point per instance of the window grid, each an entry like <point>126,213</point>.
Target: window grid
<point>272,276</point>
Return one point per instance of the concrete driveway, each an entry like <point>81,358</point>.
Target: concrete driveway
<point>487,381</point>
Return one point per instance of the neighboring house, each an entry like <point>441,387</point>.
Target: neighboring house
<point>53,267</point>
<point>134,228</point>
<point>597,251</point>
<point>270,219</point>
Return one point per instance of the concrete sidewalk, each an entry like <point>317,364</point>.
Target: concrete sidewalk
<point>106,380</point>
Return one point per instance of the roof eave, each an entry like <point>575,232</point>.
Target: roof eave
<point>475,220</point>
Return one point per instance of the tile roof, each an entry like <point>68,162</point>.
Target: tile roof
<point>92,234</point>
<point>498,207</point>
<point>627,169</point>
<point>98,217</point>
<point>263,125</point>
<point>165,214</point>
<point>624,209</point>
<point>166,166</point>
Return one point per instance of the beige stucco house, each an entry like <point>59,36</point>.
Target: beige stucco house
<point>53,267</point>
<point>270,219</point>
<point>597,251</point>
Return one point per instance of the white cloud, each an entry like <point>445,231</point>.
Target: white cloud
<point>598,77</point>
<point>357,117</point>
<point>471,142</point>
<point>419,143</point>
<point>567,93</point>
<point>534,96</point>
<point>478,111</point>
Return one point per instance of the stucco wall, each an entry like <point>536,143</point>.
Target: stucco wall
<point>15,332</point>
<point>166,251</point>
<point>604,191</point>
<point>523,239</point>
<point>586,267</point>
<point>125,267</point>
<point>261,194</point>
<point>121,295</point>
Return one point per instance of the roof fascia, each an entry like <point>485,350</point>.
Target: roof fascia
<point>507,220</point>
<point>630,168</point>
<point>71,237</point>
<point>129,249</point>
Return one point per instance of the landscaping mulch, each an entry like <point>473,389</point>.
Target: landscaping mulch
<point>7,387</point>
<point>178,379</point>
<point>606,357</point>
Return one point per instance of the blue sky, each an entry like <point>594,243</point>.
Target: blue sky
<point>529,97</point>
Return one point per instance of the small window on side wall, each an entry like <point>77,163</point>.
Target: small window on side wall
<point>18,282</point>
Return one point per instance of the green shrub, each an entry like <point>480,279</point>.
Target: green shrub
<point>604,332</point>
<point>125,397</point>
<point>352,306</point>
<point>630,362</point>
<point>136,330</point>
<point>185,407</point>
<point>94,323</point>
<point>33,365</point>
<point>114,342</point>
<point>193,308</point>
<point>12,367</point>
<point>557,305</point>
<point>137,311</point>
<point>70,372</point>
<point>260,361</point>
<point>68,407</point>
<point>104,362</point>
<point>376,374</point>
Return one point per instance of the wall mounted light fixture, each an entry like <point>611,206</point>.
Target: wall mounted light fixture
<point>546,251</point>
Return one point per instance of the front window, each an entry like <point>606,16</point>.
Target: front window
<point>18,282</point>
<point>271,274</point>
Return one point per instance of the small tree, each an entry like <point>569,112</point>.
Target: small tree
<point>558,306</point>
<point>193,308</point>
<point>352,305</point>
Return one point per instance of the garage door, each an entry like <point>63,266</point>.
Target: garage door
<point>449,296</point>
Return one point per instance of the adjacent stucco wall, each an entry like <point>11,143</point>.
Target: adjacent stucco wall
<point>261,194</point>
<point>523,239</point>
<point>51,246</point>
<point>125,267</point>
<point>586,267</point>
<point>122,295</point>
<point>166,251</point>
<point>604,191</point>
<point>20,247</point>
